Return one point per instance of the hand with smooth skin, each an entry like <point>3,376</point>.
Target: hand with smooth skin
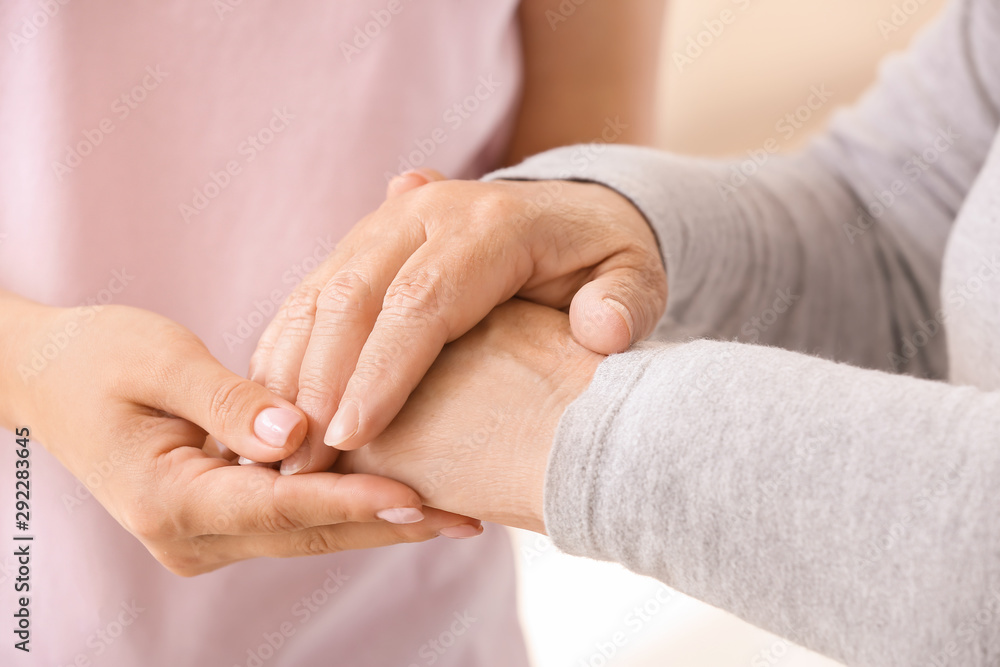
<point>475,436</point>
<point>357,335</point>
<point>131,396</point>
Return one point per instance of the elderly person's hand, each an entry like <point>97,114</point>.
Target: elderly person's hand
<point>354,339</point>
<point>475,436</point>
<point>126,401</point>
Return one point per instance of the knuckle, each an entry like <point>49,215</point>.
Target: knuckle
<point>492,204</point>
<point>344,292</point>
<point>300,307</point>
<point>276,517</point>
<point>415,297</point>
<point>231,401</point>
<point>275,521</point>
<point>282,386</point>
<point>316,390</point>
<point>319,542</point>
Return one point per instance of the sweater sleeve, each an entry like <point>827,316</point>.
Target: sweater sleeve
<point>851,510</point>
<point>837,250</point>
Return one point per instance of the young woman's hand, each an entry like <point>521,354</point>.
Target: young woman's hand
<point>354,339</point>
<point>130,396</point>
<point>475,436</point>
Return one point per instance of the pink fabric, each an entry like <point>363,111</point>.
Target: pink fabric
<point>334,110</point>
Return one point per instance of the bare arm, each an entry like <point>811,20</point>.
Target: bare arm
<point>584,69</point>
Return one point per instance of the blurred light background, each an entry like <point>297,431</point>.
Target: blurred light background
<point>727,100</point>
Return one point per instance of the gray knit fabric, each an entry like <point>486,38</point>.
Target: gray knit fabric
<point>853,510</point>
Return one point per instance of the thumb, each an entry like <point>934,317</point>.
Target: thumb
<point>239,413</point>
<point>410,180</point>
<point>619,307</point>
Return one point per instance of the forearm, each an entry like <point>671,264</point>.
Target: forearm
<point>589,73</point>
<point>850,510</point>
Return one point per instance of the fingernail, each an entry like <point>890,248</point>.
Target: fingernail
<point>623,311</point>
<point>244,461</point>
<point>297,461</point>
<point>274,425</point>
<point>401,515</point>
<point>344,425</point>
<point>461,532</point>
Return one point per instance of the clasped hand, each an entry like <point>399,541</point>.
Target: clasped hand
<point>354,358</point>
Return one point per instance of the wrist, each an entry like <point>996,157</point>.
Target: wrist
<point>26,352</point>
<point>538,433</point>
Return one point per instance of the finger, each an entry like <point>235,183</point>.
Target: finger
<point>287,347</point>
<point>621,305</point>
<point>261,357</point>
<point>242,500</point>
<point>278,357</point>
<point>242,415</point>
<point>411,179</point>
<point>426,306</point>
<point>347,309</point>
<point>224,549</point>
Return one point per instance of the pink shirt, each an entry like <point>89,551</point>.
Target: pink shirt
<point>197,159</point>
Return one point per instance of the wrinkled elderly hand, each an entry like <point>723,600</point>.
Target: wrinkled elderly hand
<point>128,401</point>
<point>355,338</point>
<point>475,435</point>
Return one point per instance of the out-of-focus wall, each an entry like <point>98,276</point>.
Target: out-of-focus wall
<point>725,85</point>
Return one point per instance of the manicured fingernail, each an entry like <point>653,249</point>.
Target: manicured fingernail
<point>462,532</point>
<point>623,311</point>
<point>344,425</point>
<point>244,461</point>
<point>274,425</point>
<point>401,515</point>
<point>297,461</point>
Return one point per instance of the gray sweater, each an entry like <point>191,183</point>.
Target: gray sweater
<point>828,467</point>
